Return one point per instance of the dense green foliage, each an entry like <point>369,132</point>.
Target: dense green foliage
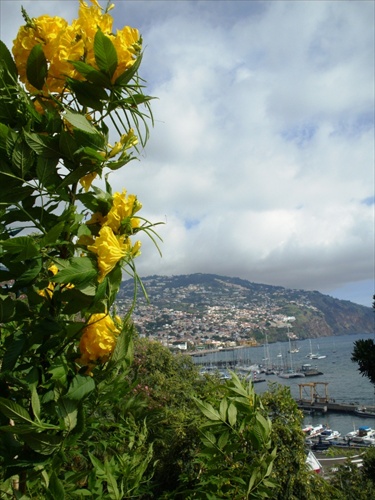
<point>86,412</point>
<point>364,354</point>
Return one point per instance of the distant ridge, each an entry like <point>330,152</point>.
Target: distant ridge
<point>316,314</point>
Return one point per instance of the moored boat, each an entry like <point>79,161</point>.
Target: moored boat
<point>329,434</point>
<point>364,412</point>
<point>312,431</point>
<point>310,371</point>
<point>290,374</point>
<point>362,435</point>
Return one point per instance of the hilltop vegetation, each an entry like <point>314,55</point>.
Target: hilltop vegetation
<point>206,306</point>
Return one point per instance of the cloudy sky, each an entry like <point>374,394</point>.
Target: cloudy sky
<point>261,160</point>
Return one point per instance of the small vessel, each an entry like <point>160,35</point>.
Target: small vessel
<point>328,434</point>
<point>313,463</point>
<point>312,355</point>
<point>361,435</point>
<point>362,411</point>
<point>312,431</point>
<point>255,378</point>
<point>291,374</point>
<point>307,429</point>
<point>310,371</point>
<point>321,445</point>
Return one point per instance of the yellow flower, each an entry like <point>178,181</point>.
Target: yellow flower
<point>122,208</point>
<point>98,339</point>
<point>85,240</point>
<point>127,43</point>
<point>87,180</point>
<point>110,250</point>
<point>136,249</point>
<point>89,21</point>
<point>62,43</point>
<point>47,31</point>
<point>48,292</point>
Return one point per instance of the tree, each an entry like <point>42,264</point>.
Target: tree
<point>236,456</point>
<point>64,242</point>
<point>294,480</point>
<point>167,383</point>
<point>364,354</point>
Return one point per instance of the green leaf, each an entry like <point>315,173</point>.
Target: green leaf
<point>15,412</point>
<point>99,467</point>
<point>80,122</point>
<point>80,387</point>
<point>43,145</point>
<point>68,411</point>
<point>80,272</point>
<point>264,426</point>
<point>7,63</point>
<point>36,68</point>
<point>10,192</point>
<point>125,77</point>
<point>105,54</point>
<point>53,234</point>
<point>7,310</point>
<point>208,410</point>
<point>88,94</point>
<point>47,173</point>
<point>35,403</point>
<point>13,350</point>
<point>95,141</point>
<point>223,409</point>
<point>24,246</point>
<point>56,488</point>
<point>43,443</point>
<point>232,414</point>
<point>111,483</point>
<point>92,74</point>
<point>32,270</point>
<point>17,429</point>
<point>124,348</point>
<point>4,131</point>
<point>22,158</point>
<point>208,439</point>
<point>68,145</point>
<point>223,440</point>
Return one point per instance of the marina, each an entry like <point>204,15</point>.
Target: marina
<point>350,399</point>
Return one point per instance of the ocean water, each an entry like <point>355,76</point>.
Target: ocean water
<point>345,383</point>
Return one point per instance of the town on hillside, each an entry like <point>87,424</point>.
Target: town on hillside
<point>195,312</point>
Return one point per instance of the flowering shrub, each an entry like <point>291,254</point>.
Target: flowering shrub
<point>64,240</point>
<point>65,47</point>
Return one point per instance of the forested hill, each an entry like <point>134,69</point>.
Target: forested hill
<point>250,306</point>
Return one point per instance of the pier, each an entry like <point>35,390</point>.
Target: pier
<point>313,398</point>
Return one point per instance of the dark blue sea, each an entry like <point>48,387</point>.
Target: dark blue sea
<point>345,383</point>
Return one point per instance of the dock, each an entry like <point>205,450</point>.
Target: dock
<point>314,398</point>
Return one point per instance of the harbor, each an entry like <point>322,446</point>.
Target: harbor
<point>314,398</point>
<point>329,385</point>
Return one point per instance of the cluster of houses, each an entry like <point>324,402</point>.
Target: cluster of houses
<point>199,324</point>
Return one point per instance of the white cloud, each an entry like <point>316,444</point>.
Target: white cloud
<point>263,147</point>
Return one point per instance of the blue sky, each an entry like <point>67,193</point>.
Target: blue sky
<point>261,160</point>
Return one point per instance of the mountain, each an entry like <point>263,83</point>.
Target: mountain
<point>212,306</point>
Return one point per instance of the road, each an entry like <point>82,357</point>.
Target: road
<point>329,464</point>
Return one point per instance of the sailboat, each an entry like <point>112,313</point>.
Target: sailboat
<point>312,355</point>
<point>293,347</point>
<point>290,373</point>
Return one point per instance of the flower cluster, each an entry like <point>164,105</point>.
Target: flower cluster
<point>98,339</point>
<point>62,43</point>
<point>112,244</point>
<point>47,293</point>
